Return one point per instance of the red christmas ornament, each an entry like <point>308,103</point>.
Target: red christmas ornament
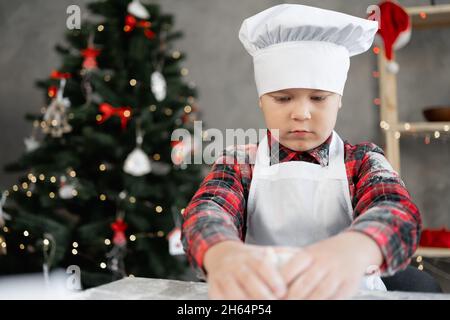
<point>119,227</point>
<point>90,54</point>
<point>131,23</point>
<point>108,111</point>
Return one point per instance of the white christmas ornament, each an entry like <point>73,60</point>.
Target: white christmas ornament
<point>31,144</point>
<point>175,244</point>
<point>136,8</point>
<point>55,116</point>
<point>3,215</point>
<point>158,85</point>
<point>66,191</point>
<point>137,162</point>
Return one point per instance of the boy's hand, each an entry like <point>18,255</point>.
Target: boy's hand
<point>338,265</point>
<point>241,271</point>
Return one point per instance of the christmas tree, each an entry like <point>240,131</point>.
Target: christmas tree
<point>101,185</point>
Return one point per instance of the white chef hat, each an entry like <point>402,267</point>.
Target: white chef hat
<point>297,46</point>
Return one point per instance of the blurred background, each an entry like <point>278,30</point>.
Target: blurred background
<point>221,71</point>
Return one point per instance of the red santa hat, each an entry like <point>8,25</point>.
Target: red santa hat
<point>395,30</point>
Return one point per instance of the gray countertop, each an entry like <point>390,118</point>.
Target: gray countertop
<point>161,289</point>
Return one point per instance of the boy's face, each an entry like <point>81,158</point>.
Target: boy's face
<point>305,117</point>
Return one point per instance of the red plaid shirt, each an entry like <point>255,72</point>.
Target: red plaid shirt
<point>382,207</point>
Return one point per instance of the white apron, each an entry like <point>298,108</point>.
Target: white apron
<point>298,203</point>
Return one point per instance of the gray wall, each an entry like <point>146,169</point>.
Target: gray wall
<point>223,72</point>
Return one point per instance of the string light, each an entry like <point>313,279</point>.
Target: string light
<point>446,127</point>
<point>102,167</point>
<point>127,113</point>
<point>176,54</point>
<point>21,246</point>
<point>72,173</point>
<point>26,233</point>
<point>160,234</point>
<point>133,82</point>
<point>75,244</point>
<point>187,109</point>
<point>107,242</point>
<point>74,251</point>
<point>437,134</point>
<point>24,185</point>
<point>98,117</point>
<point>182,210</point>
<point>103,265</point>
<point>376,50</point>
<point>51,195</point>
<point>74,193</point>
<point>152,108</point>
<point>132,237</point>
<point>107,77</point>
<point>52,179</point>
<point>46,242</point>
<point>407,126</point>
<point>397,135</point>
<point>30,176</point>
<point>184,72</point>
<point>102,197</point>
<point>168,111</point>
<point>158,209</point>
<point>29,194</point>
<point>384,125</point>
<point>420,267</point>
<point>41,177</point>
<point>156,156</point>
<point>419,259</point>
<point>15,187</point>
<point>100,28</point>
<point>132,199</point>
<point>5,229</point>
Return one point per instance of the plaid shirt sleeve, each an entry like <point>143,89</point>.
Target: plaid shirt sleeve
<point>216,211</point>
<point>383,208</point>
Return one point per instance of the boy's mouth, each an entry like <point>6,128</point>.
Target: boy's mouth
<point>299,132</point>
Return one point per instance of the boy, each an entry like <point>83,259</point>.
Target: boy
<point>328,208</point>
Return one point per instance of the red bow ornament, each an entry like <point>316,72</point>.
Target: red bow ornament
<point>59,75</point>
<point>131,23</point>
<point>108,111</point>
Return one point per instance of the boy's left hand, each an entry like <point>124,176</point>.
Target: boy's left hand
<point>338,265</point>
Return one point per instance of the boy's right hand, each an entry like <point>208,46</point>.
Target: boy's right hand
<point>241,271</point>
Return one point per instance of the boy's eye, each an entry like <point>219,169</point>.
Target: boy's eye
<point>282,99</point>
<point>318,98</point>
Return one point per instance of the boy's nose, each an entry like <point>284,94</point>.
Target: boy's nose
<point>301,112</point>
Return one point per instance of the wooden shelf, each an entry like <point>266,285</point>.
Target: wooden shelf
<point>422,17</point>
<point>425,17</point>
<point>413,127</point>
<point>432,252</point>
